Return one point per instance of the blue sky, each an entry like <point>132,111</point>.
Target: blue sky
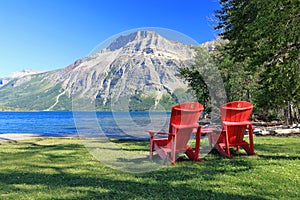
<point>51,34</point>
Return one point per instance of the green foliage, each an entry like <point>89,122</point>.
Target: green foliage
<point>36,94</point>
<point>4,108</point>
<point>140,103</point>
<point>178,96</point>
<point>195,76</point>
<point>127,103</point>
<point>65,103</point>
<point>29,96</point>
<point>239,79</point>
<point>262,55</point>
<point>204,78</point>
<point>167,102</point>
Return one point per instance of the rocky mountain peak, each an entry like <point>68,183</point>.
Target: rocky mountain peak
<point>149,42</point>
<point>137,36</point>
<point>141,66</point>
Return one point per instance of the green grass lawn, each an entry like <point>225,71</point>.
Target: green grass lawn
<point>64,169</point>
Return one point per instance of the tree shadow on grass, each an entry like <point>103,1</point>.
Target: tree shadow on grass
<point>109,188</point>
<point>68,171</point>
<point>279,157</point>
<point>279,151</point>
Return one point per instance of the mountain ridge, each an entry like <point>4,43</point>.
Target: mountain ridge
<point>140,68</point>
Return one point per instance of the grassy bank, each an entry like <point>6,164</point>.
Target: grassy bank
<point>64,169</point>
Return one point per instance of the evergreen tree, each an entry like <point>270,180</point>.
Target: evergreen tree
<point>263,47</point>
<point>204,78</point>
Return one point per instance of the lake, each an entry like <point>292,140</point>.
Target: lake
<point>121,125</point>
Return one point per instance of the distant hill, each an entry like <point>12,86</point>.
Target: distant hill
<point>18,74</point>
<point>140,66</point>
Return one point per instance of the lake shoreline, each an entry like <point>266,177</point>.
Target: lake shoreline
<point>12,137</point>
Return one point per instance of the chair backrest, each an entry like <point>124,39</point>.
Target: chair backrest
<point>236,111</point>
<point>185,114</point>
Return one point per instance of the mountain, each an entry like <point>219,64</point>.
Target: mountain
<point>18,74</point>
<point>211,46</point>
<point>24,72</point>
<point>140,67</point>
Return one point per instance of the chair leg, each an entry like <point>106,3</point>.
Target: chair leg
<point>227,143</point>
<point>173,151</point>
<point>151,148</point>
<point>250,147</point>
<point>251,139</point>
<point>221,150</point>
<point>209,136</point>
<point>191,154</point>
<point>173,158</point>
<point>197,146</point>
<point>161,153</point>
<point>248,150</point>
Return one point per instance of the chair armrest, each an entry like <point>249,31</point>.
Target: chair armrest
<point>185,126</point>
<point>207,130</point>
<point>153,132</point>
<point>226,123</point>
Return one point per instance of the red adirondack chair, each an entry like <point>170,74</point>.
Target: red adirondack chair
<point>183,123</point>
<point>235,121</point>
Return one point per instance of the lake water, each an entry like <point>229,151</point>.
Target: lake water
<point>113,125</point>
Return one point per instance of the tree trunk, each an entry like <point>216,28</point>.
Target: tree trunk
<point>248,97</point>
<point>287,114</point>
<point>286,117</point>
<point>291,113</point>
<point>298,115</point>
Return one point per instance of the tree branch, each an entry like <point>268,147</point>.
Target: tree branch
<point>283,50</point>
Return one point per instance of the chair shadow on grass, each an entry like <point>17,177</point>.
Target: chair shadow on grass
<point>278,151</point>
